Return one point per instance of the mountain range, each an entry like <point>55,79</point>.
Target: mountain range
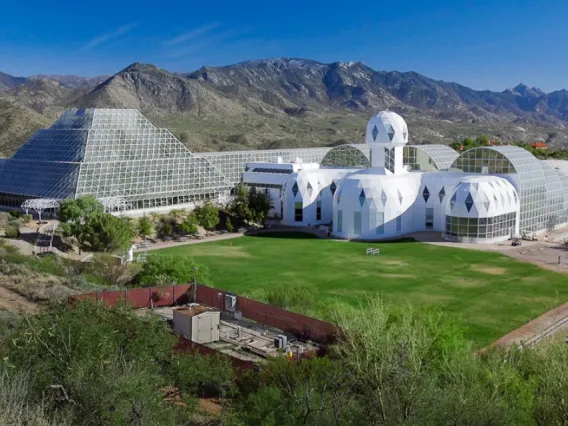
<point>285,102</point>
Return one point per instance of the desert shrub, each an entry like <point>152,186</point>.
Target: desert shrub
<point>4,217</point>
<point>15,214</point>
<point>15,222</point>
<point>12,231</point>
<point>207,215</point>
<point>27,218</point>
<point>16,407</point>
<point>104,365</point>
<point>112,270</point>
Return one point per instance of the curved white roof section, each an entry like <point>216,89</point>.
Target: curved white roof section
<point>483,196</point>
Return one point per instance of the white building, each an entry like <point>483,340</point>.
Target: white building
<point>386,189</point>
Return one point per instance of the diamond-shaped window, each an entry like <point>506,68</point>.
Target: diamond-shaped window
<point>426,194</point>
<point>404,135</point>
<point>487,205</point>
<point>476,186</point>
<point>375,132</point>
<point>390,132</point>
<point>399,196</point>
<point>515,195</point>
<point>469,202</point>
<point>384,197</point>
<point>333,188</point>
<point>295,189</point>
<point>453,201</point>
<point>310,189</point>
<point>442,194</point>
<point>496,200</point>
<point>362,197</point>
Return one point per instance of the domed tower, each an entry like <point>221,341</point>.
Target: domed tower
<point>387,133</point>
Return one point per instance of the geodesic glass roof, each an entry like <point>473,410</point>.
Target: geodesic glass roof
<point>348,156</point>
<point>429,157</point>
<point>538,188</point>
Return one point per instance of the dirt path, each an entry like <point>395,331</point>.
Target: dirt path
<point>13,302</point>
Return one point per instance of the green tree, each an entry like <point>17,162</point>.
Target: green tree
<point>74,215</point>
<point>165,227</point>
<point>207,215</point>
<point>481,140</point>
<point>145,227</point>
<point>108,233</point>
<point>239,207</point>
<point>229,224</point>
<point>190,224</point>
<point>171,269</point>
<point>259,205</point>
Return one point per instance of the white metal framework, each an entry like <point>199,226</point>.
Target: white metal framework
<point>39,205</point>
<point>112,153</point>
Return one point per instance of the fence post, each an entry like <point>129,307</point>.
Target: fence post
<point>174,294</point>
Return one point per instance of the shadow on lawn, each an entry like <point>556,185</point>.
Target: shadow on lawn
<point>287,235</point>
<point>295,235</point>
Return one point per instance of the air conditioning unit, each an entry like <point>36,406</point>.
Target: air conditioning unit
<point>230,302</point>
<point>281,341</point>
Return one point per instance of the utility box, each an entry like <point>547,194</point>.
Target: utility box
<point>197,323</point>
<point>230,302</point>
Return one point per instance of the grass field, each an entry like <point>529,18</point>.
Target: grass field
<point>491,294</point>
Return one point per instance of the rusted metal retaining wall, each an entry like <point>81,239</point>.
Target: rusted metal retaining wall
<point>304,327</point>
<point>146,297</point>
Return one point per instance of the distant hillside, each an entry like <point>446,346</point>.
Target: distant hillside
<point>17,124</point>
<point>72,81</point>
<point>295,102</point>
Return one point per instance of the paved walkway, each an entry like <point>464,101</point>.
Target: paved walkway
<point>158,246</point>
<point>531,329</point>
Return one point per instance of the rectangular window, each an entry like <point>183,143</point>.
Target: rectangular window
<point>339,221</point>
<point>429,218</point>
<point>380,223</point>
<point>298,212</point>
<point>318,210</point>
<point>357,223</point>
<point>399,224</point>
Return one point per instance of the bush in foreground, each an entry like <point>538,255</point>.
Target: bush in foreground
<point>12,231</point>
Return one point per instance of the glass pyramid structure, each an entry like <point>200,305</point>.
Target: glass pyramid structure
<point>119,153</point>
<point>109,153</point>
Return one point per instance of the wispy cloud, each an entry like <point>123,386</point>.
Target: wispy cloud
<point>103,38</point>
<point>199,43</point>
<point>192,34</point>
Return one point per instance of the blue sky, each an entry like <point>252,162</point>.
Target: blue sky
<point>482,44</point>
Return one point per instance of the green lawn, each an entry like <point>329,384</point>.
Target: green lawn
<point>491,294</point>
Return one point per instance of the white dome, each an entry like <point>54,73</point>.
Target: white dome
<point>387,127</point>
<point>483,196</point>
